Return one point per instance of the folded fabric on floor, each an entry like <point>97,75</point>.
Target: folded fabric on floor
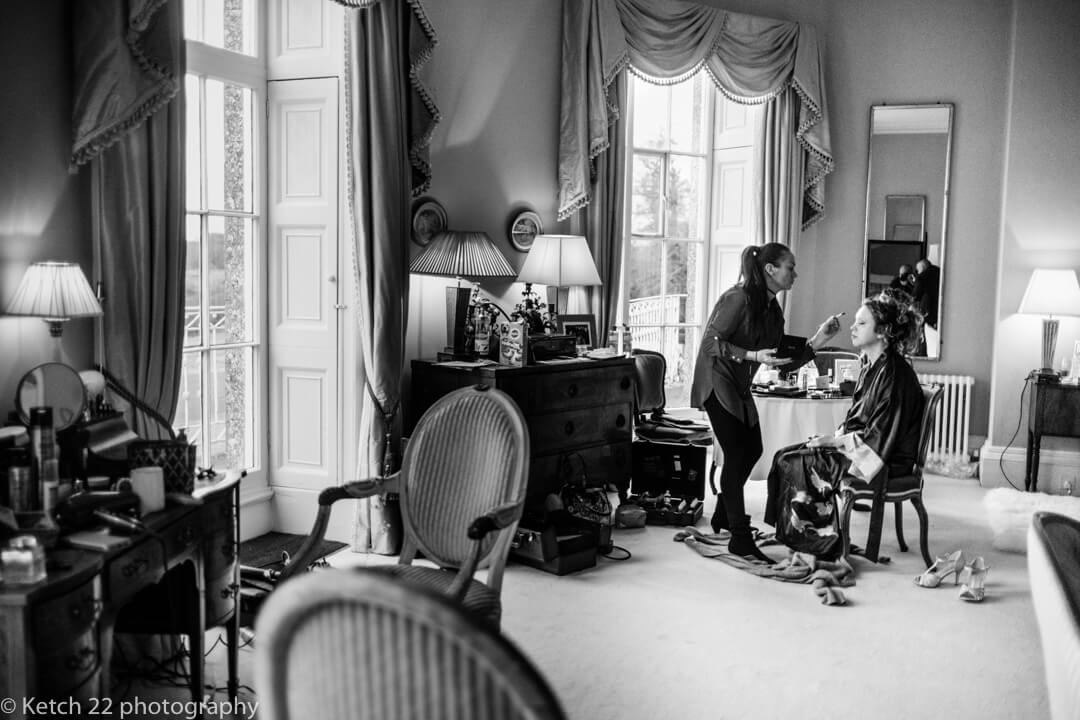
<point>826,576</point>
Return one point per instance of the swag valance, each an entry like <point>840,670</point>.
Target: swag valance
<point>128,64</point>
<point>751,60</point>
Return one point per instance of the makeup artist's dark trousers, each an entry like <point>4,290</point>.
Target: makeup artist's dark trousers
<point>741,446</point>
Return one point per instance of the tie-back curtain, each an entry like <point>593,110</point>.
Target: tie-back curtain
<point>751,60</point>
<point>128,120</point>
<point>389,118</point>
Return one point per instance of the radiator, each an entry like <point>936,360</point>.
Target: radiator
<point>949,443</point>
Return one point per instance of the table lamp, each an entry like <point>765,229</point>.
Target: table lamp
<point>460,254</point>
<point>559,261</point>
<point>1050,293</point>
<point>55,292</point>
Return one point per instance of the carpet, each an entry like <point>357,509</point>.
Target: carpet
<point>265,551</point>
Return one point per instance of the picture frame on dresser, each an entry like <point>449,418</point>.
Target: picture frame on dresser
<point>582,327</point>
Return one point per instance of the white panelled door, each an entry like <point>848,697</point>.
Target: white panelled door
<point>304,296</point>
<point>733,193</point>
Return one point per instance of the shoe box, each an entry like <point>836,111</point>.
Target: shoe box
<point>659,468</point>
<point>560,548</point>
<point>667,509</point>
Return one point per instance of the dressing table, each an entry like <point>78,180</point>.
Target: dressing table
<point>177,575</point>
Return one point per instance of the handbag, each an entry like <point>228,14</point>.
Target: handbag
<point>581,501</point>
<point>176,458</point>
<point>587,503</point>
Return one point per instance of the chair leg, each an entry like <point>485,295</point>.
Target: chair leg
<point>898,512</point>
<point>846,501</point>
<point>924,529</point>
<point>873,540</point>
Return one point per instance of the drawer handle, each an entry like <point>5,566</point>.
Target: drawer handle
<point>87,606</point>
<point>620,420</point>
<point>624,384</point>
<point>568,428</point>
<point>137,566</point>
<point>186,535</point>
<point>82,661</point>
<point>572,390</point>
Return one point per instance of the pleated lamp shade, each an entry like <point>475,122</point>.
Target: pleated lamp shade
<point>54,292</point>
<point>461,253</point>
<point>458,254</point>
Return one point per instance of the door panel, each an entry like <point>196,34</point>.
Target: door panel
<point>303,287</point>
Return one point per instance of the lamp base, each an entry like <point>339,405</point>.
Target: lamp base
<point>457,317</point>
<point>1045,375</point>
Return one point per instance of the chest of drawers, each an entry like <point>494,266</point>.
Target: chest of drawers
<point>578,414</point>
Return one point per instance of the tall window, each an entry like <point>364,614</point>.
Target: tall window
<point>220,395</point>
<point>680,202</point>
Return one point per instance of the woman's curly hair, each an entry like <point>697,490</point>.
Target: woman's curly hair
<point>897,319</point>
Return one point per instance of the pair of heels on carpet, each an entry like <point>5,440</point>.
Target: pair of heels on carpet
<point>973,588</point>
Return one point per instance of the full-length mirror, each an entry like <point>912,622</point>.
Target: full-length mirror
<point>907,194</point>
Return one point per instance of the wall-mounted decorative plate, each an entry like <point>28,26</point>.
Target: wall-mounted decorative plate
<point>428,219</point>
<point>524,229</point>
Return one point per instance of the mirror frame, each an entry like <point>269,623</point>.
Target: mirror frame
<point>907,112</point>
<point>74,414</point>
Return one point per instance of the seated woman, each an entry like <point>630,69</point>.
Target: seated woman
<point>881,428</point>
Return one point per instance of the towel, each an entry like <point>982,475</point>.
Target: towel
<point>825,576</point>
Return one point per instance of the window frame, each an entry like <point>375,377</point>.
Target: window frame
<point>663,234</point>
<point>206,62</point>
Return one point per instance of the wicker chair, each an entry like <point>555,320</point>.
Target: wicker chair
<point>895,490</point>
<point>1053,559</point>
<point>462,484</point>
<point>360,644</point>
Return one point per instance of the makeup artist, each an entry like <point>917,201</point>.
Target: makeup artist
<point>743,332</point>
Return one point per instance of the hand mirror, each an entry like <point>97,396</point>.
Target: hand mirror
<point>55,385</point>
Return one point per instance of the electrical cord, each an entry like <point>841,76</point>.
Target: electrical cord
<point>1019,423</point>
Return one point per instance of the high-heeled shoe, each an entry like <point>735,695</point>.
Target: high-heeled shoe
<point>942,568</point>
<point>974,590</point>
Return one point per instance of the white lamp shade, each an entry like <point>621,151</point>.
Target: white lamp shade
<point>1051,292</point>
<point>559,260</point>
<point>54,291</point>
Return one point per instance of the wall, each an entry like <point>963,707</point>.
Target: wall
<point>494,153</point>
<point>42,207</point>
<point>1040,217</point>
<point>497,144</point>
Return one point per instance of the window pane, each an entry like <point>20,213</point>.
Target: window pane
<point>193,142</point>
<point>231,408</point>
<point>684,281</point>
<point>644,268</point>
<point>688,115</point>
<point>646,193</point>
<point>651,111</point>
<point>226,24</point>
<point>193,283</point>
<point>686,209</point>
<point>189,406</point>
<point>229,146</point>
<point>680,351</point>
<point>231,279</point>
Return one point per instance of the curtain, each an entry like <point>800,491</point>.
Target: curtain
<point>128,116</point>
<point>750,59</point>
<point>781,177</point>
<point>389,121</point>
<point>605,219</point>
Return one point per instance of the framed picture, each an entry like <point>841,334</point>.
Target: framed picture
<point>523,230</point>
<point>582,327</point>
<point>428,219</point>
